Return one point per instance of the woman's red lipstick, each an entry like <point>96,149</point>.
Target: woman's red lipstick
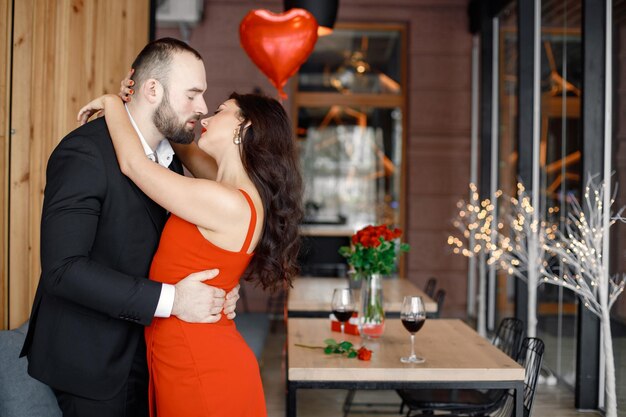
<point>203,130</point>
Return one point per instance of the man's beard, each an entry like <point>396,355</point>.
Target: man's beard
<point>167,123</point>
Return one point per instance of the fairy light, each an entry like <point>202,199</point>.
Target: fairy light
<point>580,249</point>
<point>528,233</point>
<point>474,220</point>
<point>523,242</point>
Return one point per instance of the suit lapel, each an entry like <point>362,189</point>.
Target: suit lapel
<point>156,212</point>
<point>176,165</point>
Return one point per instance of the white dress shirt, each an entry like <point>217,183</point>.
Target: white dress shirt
<point>163,155</point>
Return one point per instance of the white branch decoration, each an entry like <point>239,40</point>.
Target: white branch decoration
<point>580,249</point>
<point>525,249</point>
<point>475,222</point>
<point>520,249</point>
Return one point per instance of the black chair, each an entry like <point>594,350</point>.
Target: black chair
<point>500,403</point>
<point>530,357</point>
<point>509,336</point>
<point>439,299</point>
<point>429,289</point>
<point>508,339</point>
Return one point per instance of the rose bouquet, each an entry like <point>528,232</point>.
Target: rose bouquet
<point>373,253</point>
<point>374,250</point>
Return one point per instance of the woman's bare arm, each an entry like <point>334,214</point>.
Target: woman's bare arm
<point>202,202</point>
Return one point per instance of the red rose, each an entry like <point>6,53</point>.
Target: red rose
<point>364,354</point>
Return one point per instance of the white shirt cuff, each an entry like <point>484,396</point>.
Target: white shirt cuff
<point>166,301</point>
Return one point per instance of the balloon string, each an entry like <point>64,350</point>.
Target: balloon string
<point>282,96</point>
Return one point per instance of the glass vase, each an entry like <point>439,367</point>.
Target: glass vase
<point>371,313</point>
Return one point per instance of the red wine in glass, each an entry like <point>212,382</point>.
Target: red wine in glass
<point>413,316</point>
<point>413,325</point>
<point>343,315</point>
<point>343,305</point>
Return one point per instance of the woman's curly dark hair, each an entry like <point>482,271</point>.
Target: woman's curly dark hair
<point>269,157</point>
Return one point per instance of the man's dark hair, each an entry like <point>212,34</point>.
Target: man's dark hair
<point>155,58</point>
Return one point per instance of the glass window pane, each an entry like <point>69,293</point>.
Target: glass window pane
<point>508,67</point>
<point>354,61</point>
<point>560,162</point>
<point>618,230</point>
<point>351,160</point>
<point>350,109</point>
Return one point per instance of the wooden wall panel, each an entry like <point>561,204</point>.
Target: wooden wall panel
<point>5,74</point>
<point>65,53</point>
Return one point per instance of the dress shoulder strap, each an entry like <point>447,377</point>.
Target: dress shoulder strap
<point>252,226</point>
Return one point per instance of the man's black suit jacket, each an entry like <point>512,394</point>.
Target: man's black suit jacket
<point>99,233</point>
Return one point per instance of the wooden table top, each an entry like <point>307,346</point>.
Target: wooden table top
<point>453,352</point>
<point>313,294</point>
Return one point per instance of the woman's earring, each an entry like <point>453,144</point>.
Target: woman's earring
<point>236,137</point>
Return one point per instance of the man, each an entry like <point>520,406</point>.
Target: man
<point>99,233</point>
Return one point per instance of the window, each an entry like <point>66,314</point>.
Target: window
<point>350,128</point>
<point>350,107</point>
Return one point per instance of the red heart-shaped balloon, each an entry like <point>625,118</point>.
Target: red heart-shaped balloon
<point>278,43</point>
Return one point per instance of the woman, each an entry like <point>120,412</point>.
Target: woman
<point>240,215</point>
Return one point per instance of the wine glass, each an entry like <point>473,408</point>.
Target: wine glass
<point>413,316</point>
<point>343,305</point>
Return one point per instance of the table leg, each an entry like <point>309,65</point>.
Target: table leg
<point>518,393</point>
<point>291,400</point>
<point>347,404</point>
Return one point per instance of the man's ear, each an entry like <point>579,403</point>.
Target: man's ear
<point>152,90</point>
